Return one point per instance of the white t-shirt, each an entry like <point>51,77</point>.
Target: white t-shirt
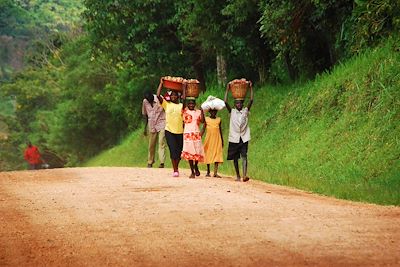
<point>239,126</point>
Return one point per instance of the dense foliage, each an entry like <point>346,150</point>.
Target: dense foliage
<point>26,24</point>
<point>27,18</point>
<point>179,37</point>
<point>79,85</point>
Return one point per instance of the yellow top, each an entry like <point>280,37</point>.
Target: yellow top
<point>173,117</point>
<point>213,141</point>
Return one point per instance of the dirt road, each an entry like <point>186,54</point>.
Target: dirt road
<point>144,217</point>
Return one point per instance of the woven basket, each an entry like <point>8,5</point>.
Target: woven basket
<point>173,85</point>
<point>239,90</point>
<point>193,89</point>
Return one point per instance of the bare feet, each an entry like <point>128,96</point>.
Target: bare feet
<point>217,176</point>
<point>237,179</point>
<point>208,175</point>
<point>192,176</point>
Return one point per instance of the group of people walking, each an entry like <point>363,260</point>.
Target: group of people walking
<point>179,123</point>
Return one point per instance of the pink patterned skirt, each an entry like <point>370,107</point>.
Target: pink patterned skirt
<point>192,147</point>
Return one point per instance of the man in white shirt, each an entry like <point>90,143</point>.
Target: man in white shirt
<point>239,133</point>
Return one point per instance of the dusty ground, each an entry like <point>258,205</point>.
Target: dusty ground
<point>144,217</point>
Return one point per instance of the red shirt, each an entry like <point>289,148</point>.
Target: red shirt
<point>32,155</point>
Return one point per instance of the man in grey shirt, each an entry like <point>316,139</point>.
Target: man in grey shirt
<point>239,133</point>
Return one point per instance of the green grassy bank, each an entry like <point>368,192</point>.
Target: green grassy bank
<point>338,135</point>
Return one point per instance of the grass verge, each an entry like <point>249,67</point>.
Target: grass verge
<point>338,135</point>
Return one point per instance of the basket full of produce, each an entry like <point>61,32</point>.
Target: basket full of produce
<point>173,83</point>
<point>238,88</point>
<point>192,88</point>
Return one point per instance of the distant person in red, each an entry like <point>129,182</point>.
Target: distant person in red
<point>32,156</point>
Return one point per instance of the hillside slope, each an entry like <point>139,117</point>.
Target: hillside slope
<point>338,135</point>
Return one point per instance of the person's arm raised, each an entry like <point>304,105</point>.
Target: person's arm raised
<point>184,85</point>
<point>160,99</point>
<point>226,98</point>
<point>251,96</point>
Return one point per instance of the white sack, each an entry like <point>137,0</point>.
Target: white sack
<point>213,102</point>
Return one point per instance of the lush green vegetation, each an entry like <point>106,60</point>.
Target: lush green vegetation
<point>31,36</point>
<point>6,107</point>
<point>76,82</point>
<point>337,135</point>
<point>25,26</point>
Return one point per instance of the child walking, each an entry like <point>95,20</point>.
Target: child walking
<point>193,150</point>
<point>239,133</point>
<point>213,142</point>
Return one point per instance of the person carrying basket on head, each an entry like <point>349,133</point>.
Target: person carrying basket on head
<point>239,130</point>
<point>173,125</point>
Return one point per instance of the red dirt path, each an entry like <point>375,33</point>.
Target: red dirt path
<point>144,217</point>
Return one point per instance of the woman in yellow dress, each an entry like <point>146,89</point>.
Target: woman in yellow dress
<point>213,142</point>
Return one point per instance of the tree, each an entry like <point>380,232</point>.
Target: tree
<point>248,48</point>
<point>305,34</point>
<point>371,20</point>
<point>183,37</point>
<point>138,31</point>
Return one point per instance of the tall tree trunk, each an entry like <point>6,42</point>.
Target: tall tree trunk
<point>262,73</point>
<point>221,69</point>
<point>264,55</point>
<point>199,69</point>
